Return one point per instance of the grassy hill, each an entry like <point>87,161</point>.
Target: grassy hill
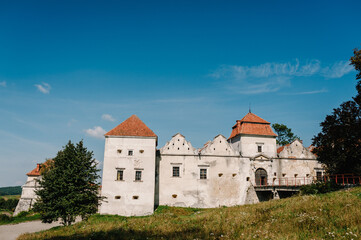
<point>10,190</point>
<point>334,215</point>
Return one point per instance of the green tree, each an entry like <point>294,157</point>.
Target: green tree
<point>68,187</point>
<point>285,134</point>
<point>338,145</point>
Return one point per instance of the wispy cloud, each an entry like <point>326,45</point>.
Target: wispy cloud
<point>108,117</point>
<point>306,92</point>
<point>43,87</point>
<point>3,84</point>
<point>271,77</point>
<point>96,132</point>
<point>337,70</point>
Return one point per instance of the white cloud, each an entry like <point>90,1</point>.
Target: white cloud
<point>3,84</point>
<point>307,92</point>
<point>337,70</point>
<point>108,117</point>
<point>96,132</point>
<point>271,77</point>
<point>44,87</point>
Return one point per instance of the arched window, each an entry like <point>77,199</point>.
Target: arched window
<point>261,177</point>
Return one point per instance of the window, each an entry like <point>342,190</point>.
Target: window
<point>130,153</point>
<point>138,175</point>
<point>175,171</point>
<point>203,173</point>
<point>259,147</point>
<point>120,175</point>
<point>319,176</point>
<point>117,197</point>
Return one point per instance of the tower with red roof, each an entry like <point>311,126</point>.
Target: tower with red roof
<point>128,181</point>
<point>253,136</point>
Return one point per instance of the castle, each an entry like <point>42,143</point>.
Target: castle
<point>224,172</point>
<point>137,177</point>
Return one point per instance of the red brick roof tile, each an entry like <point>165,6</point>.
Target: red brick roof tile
<point>280,149</point>
<point>133,126</point>
<point>38,170</point>
<point>253,125</point>
<point>253,118</point>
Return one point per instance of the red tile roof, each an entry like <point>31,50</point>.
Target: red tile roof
<point>253,125</point>
<point>253,118</point>
<point>35,171</point>
<point>133,126</point>
<point>38,170</point>
<point>280,149</point>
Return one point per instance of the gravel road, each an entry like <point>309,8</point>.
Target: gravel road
<point>12,231</point>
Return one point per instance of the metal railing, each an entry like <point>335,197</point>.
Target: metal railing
<point>342,179</point>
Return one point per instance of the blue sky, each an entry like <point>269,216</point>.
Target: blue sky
<point>75,69</point>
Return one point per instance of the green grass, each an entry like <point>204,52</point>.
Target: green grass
<point>6,197</point>
<point>335,215</point>
<point>19,219</point>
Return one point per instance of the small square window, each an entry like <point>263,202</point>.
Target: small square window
<point>259,147</point>
<point>117,197</point>
<point>175,171</point>
<point>138,175</point>
<point>120,175</point>
<point>130,153</point>
<point>203,173</point>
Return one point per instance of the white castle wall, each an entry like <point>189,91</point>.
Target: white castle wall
<point>28,196</point>
<point>224,185</point>
<point>136,197</point>
<point>230,176</point>
<point>249,145</point>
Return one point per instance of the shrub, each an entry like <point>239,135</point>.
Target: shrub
<point>9,204</point>
<point>22,214</point>
<point>320,187</point>
<point>5,218</point>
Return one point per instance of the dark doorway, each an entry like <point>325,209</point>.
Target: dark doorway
<point>261,177</point>
<point>264,195</point>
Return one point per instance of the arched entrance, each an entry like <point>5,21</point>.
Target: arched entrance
<point>261,177</point>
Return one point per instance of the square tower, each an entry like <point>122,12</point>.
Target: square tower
<point>253,136</point>
<point>128,181</point>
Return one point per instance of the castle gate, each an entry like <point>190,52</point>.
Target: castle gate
<point>261,177</point>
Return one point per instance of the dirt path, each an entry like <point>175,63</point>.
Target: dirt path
<point>12,231</point>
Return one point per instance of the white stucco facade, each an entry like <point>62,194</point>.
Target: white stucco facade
<point>28,195</point>
<point>225,172</point>
<point>129,196</point>
<point>245,168</point>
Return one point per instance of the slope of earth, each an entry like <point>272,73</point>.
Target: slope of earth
<point>334,215</point>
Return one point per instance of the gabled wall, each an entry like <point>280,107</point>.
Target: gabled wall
<point>226,174</point>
